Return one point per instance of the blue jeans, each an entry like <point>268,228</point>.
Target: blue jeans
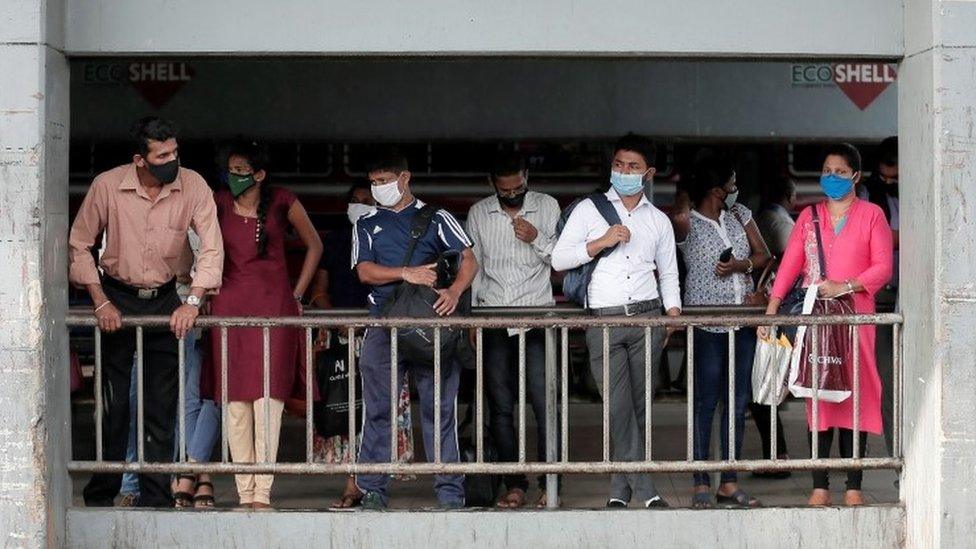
<point>712,387</point>
<point>202,417</point>
<point>375,443</point>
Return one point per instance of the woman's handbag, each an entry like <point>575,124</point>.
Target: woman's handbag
<point>823,351</point>
<point>770,370</point>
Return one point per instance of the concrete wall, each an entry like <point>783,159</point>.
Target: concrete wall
<point>937,111</point>
<point>828,28</point>
<point>864,528</point>
<point>34,488</point>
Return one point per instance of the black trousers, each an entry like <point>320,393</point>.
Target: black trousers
<point>160,389</point>
<point>760,414</point>
<point>845,441</point>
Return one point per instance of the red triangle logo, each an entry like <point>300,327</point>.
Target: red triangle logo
<point>158,81</point>
<point>862,83</point>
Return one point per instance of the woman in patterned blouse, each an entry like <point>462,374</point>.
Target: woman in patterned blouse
<point>721,249</point>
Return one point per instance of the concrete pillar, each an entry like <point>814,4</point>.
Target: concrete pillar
<point>937,114</point>
<point>34,442</point>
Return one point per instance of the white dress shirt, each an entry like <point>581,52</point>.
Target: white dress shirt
<point>625,275</point>
<point>775,226</point>
<point>513,273</point>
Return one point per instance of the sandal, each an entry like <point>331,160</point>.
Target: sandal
<point>514,499</point>
<point>348,500</point>
<point>738,499</point>
<point>701,500</point>
<point>202,501</point>
<point>181,499</point>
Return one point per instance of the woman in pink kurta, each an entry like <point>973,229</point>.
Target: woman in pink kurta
<point>857,242</point>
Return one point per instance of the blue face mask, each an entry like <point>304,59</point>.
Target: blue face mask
<point>627,184</point>
<point>835,186</point>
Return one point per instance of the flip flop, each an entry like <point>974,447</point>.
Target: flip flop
<point>701,500</point>
<point>184,500</point>
<point>204,501</point>
<point>514,499</point>
<point>738,499</point>
<point>348,501</point>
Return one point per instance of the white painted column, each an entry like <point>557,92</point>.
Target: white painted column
<point>937,115</point>
<point>34,442</point>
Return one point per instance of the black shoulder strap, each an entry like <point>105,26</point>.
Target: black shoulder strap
<point>820,249</point>
<point>418,228</point>
<point>609,214</point>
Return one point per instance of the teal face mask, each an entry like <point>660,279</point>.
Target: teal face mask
<point>627,184</point>
<point>239,184</point>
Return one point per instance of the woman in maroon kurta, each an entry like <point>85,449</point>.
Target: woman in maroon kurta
<point>253,220</point>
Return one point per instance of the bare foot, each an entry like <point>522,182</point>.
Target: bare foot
<point>259,506</point>
<point>544,501</point>
<point>514,499</point>
<point>819,497</point>
<point>853,497</point>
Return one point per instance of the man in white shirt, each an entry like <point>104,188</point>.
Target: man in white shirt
<point>514,232</point>
<point>624,284</point>
<point>774,221</point>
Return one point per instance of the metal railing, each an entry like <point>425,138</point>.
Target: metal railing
<point>557,369</point>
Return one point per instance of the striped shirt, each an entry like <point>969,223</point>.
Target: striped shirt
<point>513,273</point>
<point>383,236</point>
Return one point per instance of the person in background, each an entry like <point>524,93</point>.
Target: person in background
<point>624,283</point>
<point>144,211</point>
<point>254,217</point>
<point>514,232</point>
<point>881,188</point>
<point>336,285</point>
<point>775,222</point>
<point>720,226</point>
<point>380,244</point>
<point>857,243</point>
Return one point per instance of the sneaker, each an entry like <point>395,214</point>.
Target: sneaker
<point>450,505</point>
<point>373,501</point>
<point>129,500</point>
<point>614,503</point>
<point>656,502</point>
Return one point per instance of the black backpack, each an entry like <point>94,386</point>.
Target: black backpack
<point>416,344</point>
<point>576,282</point>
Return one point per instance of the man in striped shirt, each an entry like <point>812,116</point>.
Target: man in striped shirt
<point>514,231</point>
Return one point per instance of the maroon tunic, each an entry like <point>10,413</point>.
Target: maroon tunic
<point>255,286</point>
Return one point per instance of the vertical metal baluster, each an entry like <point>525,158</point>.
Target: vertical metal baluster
<point>223,396</point>
<point>552,484</point>
<point>437,394</point>
<point>394,394</point>
<point>140,403</point>
<point>815,381</point>
<point>896,389</point>
<point>690,387</point>
<point>181,395</point>
<point>308,396</point>
<point>565,395</point>
<point>351,360</point>
<point>521,395</point>
<point>648,391</point>
<point>773,426</point>
<point>606,394</point>
<point>731,399</point>
<point>99,404</point>
<point>479,395</point>
<point>266,347</point>
<point>856,420</point>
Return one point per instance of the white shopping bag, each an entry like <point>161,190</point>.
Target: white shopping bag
<point>770,369</point>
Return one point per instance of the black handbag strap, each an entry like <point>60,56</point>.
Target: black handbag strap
<point>418,228</point>
<point>820,249</point>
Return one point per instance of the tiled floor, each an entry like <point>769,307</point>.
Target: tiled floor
<point>579,491</point>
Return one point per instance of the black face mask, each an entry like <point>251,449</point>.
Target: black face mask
<point>513,201</point>
<point>164,173</point>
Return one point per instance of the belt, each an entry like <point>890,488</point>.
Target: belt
<point>141,293</point>
<point>629,309</point>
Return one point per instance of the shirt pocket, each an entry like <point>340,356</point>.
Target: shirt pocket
<point>173,243</point>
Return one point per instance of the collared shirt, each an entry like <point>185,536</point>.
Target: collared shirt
<point>513,273</point>
<point>147,243</point>
<point>383,236</point>
<point>775,225</point>
<point>627,274</point>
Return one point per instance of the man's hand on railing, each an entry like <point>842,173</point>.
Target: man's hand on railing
<point>109,317</point>
<point>182,320</point>
<point>673,311</point>
<point>424,275</point>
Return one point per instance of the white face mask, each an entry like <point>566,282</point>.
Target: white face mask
<point>354,211</point>
<point>387,195</point>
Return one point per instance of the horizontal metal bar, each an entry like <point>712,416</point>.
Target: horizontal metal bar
<point>510,322</point>
<point>575,467</point>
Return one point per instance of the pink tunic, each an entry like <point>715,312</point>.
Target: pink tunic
<point>863,252</point>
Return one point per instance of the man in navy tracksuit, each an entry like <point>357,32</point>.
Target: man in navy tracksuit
<point>380,243</point>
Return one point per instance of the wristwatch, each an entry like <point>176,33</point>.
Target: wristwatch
<point>193,300</point>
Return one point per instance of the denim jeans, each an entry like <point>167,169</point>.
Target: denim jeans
<point>712,387</point>
<point>202,417</point>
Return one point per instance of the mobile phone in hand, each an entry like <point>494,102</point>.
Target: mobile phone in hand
<point>726,256</point>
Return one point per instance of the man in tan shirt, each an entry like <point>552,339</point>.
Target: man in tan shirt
<point>143,211</point>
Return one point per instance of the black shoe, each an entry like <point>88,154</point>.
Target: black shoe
<point>373,501</point>
<point>656,502</point>
<point>614,503</point>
